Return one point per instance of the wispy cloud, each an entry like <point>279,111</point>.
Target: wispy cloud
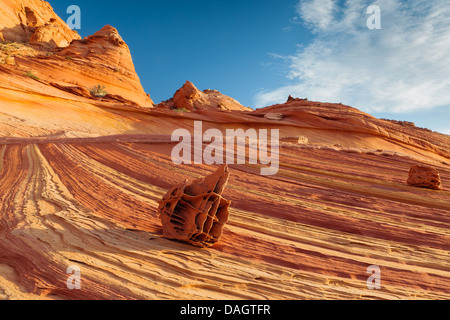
<point>318,14</point>
<point>403,67</point>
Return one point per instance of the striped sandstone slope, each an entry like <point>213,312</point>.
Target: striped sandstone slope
<point>308,233</point>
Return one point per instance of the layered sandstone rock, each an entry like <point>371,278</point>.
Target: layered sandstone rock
<point>189,98</point>
<point>105,59</point>
<point>343,123</point>
<point>196,213</point>
<point>45,66</point>
<point>424,177</point>
<point>33,21</point>
<point>92,202</point>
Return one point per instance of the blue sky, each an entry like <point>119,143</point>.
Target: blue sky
<point>260,51</point>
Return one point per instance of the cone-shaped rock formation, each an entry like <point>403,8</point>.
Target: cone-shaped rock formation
<point>188,97</point>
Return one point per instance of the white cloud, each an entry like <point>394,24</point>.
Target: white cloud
<point>403,67</point>
<point>318,14</point>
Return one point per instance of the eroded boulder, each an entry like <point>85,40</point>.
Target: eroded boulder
<point>196,213</point>
<point>424,177</point>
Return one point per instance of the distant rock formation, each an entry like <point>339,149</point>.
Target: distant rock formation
<point>292,99</point>
<point>189,98</point>
<point>424,177</point>
<point>196,213</point>
<point>339,117</point>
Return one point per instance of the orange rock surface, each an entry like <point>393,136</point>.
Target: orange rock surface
<point>82,176</point>
<point>34,21</point>
<point>189,98</point>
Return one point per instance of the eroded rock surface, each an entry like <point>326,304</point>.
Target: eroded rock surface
<point>424,177</point>
<point>196,213</point>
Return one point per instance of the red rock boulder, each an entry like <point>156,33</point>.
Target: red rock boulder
<point>424,177</point>
<point>196,213</point>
